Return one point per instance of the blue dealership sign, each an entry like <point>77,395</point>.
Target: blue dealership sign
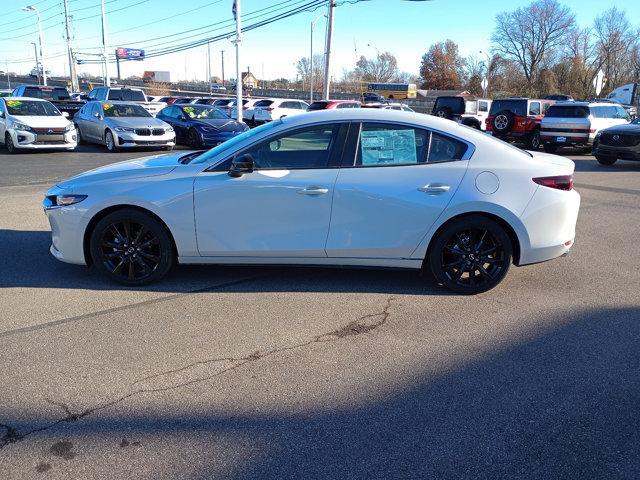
<point>129,54</point>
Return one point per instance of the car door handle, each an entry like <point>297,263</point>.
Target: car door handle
<point>313,190</point>
<point>435,188</point>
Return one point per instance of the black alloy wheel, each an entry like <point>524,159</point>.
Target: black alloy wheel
<point>131,247</point>
<point>194,138</point>
<point>8,143</point>
<point>470,255</point>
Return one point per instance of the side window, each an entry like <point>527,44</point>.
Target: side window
<point>309,147</point>
<point>2,106</point>
<point>483,106</point>
<point>545,107</point>
<point>95,109</point>
<point>445,149</point>
<point>115,95</point>
<point>621,113</point>
<point>101,94</point>
<point>534,108</point>
<point>386,144</point>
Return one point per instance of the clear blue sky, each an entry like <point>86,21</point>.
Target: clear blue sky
<point>404,28</point>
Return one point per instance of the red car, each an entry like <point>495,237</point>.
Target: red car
<point>517,119</point>
<point>332,104</point>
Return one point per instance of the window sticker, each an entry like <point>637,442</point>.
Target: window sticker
<point>388,147</point>
<point>189,111</point>
<point>14,103</point>
<point>107,106</point>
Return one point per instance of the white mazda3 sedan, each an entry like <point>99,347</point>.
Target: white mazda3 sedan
<point>356,187</point>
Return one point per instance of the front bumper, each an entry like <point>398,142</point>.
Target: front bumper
<point>32,141</point>
<point>619,152</point>
<point>131,140</point>
<point>67,227</point>
<point>210,139</point>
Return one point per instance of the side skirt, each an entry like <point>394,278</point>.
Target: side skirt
<point>405,263</point>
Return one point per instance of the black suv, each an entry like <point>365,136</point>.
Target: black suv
<point>369,97</point>
<point>619,142</point>
<point>59,96</point>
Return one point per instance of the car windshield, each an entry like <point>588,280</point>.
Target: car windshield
<point>203,111</point>
<point>127,95</point>
<point>517,107</point>
<point>263,103</point>
<point>127,110</point>
<point>208,155</point>
<point>19,108</point>
<point>567,111</point>
<point>317,106</point>
<point>46,93</point>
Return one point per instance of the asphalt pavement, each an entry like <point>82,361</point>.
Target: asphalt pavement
<point>247,372</point>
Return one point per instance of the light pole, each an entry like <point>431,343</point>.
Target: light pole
<point>31,8</point>
<point>107,80</point>
<point>327,50</point>
<point>238,41</point>
<point>311,73</point>
<point>209,67</point>
<point>35,49</point>
<point>486,77</point>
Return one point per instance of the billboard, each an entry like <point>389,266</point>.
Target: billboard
<point>129,54</point>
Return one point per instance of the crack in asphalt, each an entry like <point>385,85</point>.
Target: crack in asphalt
<point>355,327</point>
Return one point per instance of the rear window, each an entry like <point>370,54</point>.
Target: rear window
<point>317,106</point>
<point>517,107</point>
<point>47,93</point>
<point>569,111</point>
<point>456,104</point>
<point>127,95</point>
<point>263,103</point>
<point>609,111</point>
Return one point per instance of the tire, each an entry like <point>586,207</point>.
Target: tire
<point>533,140</point>
<point>193,139</point>
<point>550,148</point>
<point>602,160</point>
<point>503,122</point>
<point>8,143</point>
<point>444,112</point>
<point>109,141</point>
<point>472,124</point>
<point>457,252</point>
<point>167,148</point>
<point>80,139</point>
<point>148,255</point>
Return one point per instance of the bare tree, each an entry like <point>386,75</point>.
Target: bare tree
<point>303,66</point>
<point>614,43</point>
<point>531,34</point>
<point>382,68</point>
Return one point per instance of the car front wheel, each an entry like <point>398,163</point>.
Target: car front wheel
<point>109,141</point>
<point>8,143</point>
<point>131,247</point>
<point>602,160</point>
<point>470,255</point>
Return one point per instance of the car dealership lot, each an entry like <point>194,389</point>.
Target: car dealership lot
<point>319,373</point>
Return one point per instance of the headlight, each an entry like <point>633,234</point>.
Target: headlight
<point>208,129</point>
<point>66,200</point>
<point>69,127</point>
<point>124,129</point>
<point>21,126</point>
<point>169,129</point>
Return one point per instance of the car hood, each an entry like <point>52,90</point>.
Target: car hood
<point>135,122</point>
<point>222,125</point>
<point>137,168</point>
<point>42,121</point>
<point>627,128</point>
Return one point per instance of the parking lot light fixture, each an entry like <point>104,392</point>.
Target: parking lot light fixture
<point>31,8</point>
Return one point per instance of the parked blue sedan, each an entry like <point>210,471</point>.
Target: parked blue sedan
<point>200,125</point>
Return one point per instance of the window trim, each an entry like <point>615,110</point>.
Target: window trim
<point>353,142</point>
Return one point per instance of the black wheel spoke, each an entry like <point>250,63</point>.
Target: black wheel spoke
<point>150,242</point>
<point>132,271</point>
<point>453,264</point>
<point>126,225</point>
<point>140,233</point>
<point>119,266</point>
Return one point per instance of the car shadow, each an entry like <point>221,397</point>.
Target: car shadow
<point>27,262</point>
<point>562,403</point>
<point>592,165</point>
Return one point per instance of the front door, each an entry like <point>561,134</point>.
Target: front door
<point>394,183</point>
<point>282,208</point>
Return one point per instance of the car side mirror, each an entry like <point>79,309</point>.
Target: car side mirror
<point>1,114</point>
<point>97,115</point>
<point>65,114</point>
<point>241,165</point>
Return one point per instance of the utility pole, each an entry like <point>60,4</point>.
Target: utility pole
<point>238,40</point>
<point>72,64</point>
<point>222,52</point>
<point>35,48</point>
<point>209,67</point>
<point>327,51</point>
<point>8,77</point>
<point>311,73</point>
<point>107,80</point>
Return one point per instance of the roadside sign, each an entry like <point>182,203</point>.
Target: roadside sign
<point>129,54</point>
<point>484,84</point>
<point>598,82</point>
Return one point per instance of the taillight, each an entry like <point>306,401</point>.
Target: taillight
<point>269,109</point>
<point>560,182</point>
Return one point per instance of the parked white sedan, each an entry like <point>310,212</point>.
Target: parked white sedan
<point>34,124</point>
<point>279,108</point>
<point>352,187</point>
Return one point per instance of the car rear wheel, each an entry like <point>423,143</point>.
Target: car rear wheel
<point>131,248</point>
<point>109,141</point>
<point>8,143</point>
<point>550,148</point>
<point>533,140</point>
<point>503,122</point>
<point>470,255</point>
<point>444,112</point>
<point>602,160</point>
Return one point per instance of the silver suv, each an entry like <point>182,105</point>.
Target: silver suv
<point>575,124</point>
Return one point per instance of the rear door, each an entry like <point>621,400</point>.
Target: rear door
<point>394,183</point>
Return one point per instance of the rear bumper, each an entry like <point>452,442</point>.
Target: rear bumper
<point>569,139</point>
<point>550,220</point>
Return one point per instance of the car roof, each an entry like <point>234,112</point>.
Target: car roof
<point>584,104</point>
<point>27,98</point>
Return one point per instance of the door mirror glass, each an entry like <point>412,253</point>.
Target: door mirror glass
<point>65,114</point>
<point>1,114</point>
<point>96,114</point>
<point>241,165</point>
